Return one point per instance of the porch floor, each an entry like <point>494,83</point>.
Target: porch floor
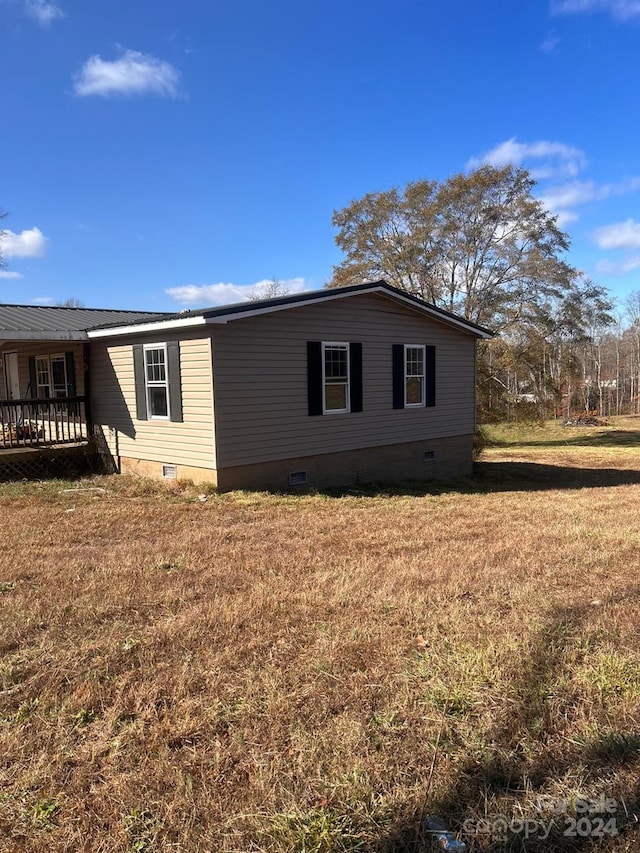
<point>38,448</point>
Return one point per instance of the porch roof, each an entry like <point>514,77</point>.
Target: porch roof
<point>56,323</point>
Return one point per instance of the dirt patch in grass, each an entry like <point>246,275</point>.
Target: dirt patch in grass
<point>254,672</point>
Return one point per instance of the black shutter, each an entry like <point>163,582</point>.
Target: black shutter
<point>355,375</point>
<point>430,375</point>
<point>33,381</point>
<point>314,377</point>
<point>138,374</point>
<point>70,365</point>
<point>175,385</point>
<point>398,375</point>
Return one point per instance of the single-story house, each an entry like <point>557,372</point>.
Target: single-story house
<point>329,387</point>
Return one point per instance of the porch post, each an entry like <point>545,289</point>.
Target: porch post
<point>86,365</point>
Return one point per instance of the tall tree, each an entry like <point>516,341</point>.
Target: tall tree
<point>478,244</point>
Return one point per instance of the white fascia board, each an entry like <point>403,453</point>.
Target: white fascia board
<point>9,335</point>
<point>141,328</point>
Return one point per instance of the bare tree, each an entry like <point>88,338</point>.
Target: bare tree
<point>270,290</point>
<point>71,302</point>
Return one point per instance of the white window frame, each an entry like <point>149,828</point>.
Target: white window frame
<point>423,376</point>
<point>343,345</point>
<point>47,362</point>
<point>42,361</point>
<point>156,383</point>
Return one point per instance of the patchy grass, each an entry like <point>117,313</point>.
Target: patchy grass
<point>620,433</point>
<point>314,673</point>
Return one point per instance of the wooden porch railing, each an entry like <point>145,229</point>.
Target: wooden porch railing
<point>31,423</point>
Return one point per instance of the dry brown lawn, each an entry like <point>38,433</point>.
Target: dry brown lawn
<point>313,673</point>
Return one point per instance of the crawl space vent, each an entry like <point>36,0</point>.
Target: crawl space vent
<point>170,472</point>
<point>429,455</point>
<point>297,478</point>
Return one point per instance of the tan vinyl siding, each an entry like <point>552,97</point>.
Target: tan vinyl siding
<point>260,381</point>
<point>189,443</point>
<point>39,348</point>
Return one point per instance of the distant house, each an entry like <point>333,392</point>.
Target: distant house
<point>331,387</point>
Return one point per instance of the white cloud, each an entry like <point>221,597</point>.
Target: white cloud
<point>565,217</point>
<point>560,198</point>
<point>10,274</point>
<point>620,235</point>
<point>27,244</point>
<point>620,10</point>
<point>222,293</point>
<point>42,300</point>
<point>568,195</point>
<point>623,236</point>
<point>582,192</point>
<point>134,73</point>
<point>622,267</point>
<point>558,158</point>
<point>550,43</point>
<point>42,12</point>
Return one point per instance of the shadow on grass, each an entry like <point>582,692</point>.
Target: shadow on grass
<point>535,476</point>
<point>500,477</point>
<point>508,772</point>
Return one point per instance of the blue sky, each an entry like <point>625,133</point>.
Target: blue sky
<point>177,153</point>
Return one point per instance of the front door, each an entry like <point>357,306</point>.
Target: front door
<point>11,378</point>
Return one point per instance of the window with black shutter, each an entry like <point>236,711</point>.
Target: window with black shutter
<point>156,370</point>
<point>413,375</point>
<point>334,377</point>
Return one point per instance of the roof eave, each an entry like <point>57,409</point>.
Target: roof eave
<point>141,328</point>
<point>12,335</point>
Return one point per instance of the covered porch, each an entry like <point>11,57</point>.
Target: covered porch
<point>43,394</point>
<point>43,422</point>
<point>45,412</point>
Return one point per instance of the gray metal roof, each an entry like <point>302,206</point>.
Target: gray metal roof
<point>41,321</point>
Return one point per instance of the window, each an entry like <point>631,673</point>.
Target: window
<point>335,377</point>
<point>413,375</point>
<point>42,376</point>
<point>53,375</point>
<point>157,385</point>
<point>156,370</point>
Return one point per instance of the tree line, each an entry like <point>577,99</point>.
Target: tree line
<point>481,245</point>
